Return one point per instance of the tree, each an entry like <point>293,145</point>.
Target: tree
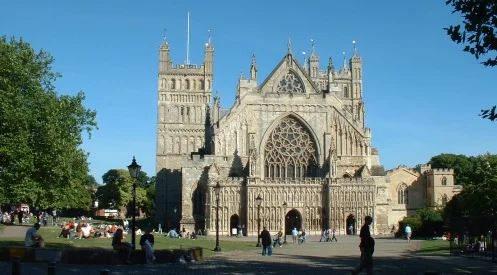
<point>116,193</point>
<point>41,160</point>
<point>463,166</point>
<point>149,206</point>
<point>478,33</point>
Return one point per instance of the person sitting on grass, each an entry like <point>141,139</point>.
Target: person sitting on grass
<point>65,232</point>
<point>118,244</point>
<point>33,239</point>
<point>86,230</point>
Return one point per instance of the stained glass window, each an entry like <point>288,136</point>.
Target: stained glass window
<point>290,151</point>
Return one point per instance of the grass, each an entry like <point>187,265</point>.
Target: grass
<point>50,234</point>
<point>1,227</point>
<point>431,247</point>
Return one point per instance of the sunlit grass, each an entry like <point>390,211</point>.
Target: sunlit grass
<point>434,247</point>
<point>50,234</point>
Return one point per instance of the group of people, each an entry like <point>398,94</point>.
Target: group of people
<point>329,235</point>
<point>366,246</point>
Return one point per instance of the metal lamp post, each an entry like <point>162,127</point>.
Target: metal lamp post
<point>134,171</point>
<point>258,200</point>
<point>284,221</point>
<point>217,190</point>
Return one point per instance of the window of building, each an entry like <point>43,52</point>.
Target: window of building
<point>346,92</point>
<point>444,181</point>
<point>290,84</point>
<point>402,194</point>
<point>290,151</point>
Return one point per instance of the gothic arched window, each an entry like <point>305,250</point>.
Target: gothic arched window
<point>346,92</point>
<point>402,194</point>
<point>444,181</point>
<point>290,84</point>
<point>290,151</point>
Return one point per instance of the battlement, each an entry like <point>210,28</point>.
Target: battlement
<point>375,151</point>
<point>442,170</point>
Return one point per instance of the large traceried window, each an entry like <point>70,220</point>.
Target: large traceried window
<point>402,194</point>
<point>290,151</point>
<point>290,84</point>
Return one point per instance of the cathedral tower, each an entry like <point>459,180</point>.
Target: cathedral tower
<point>183,122</point>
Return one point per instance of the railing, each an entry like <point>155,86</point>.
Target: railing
<point>482,247</point>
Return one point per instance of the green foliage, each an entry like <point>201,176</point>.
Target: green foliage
<point>463,166</point>
<point>478,33</point>
<point>429,215</point>
<point>477,202</point>
<point>149,206</point>
<point>414,222</point>
<point>116,193</point>
<point>41,160</point>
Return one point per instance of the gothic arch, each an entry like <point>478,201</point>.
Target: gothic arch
<point>290,150</point>
<point>289,82</point>
<point>402,194</point>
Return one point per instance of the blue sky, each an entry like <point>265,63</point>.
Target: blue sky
<point>422,93</point>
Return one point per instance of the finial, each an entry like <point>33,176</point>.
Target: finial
<point>241,75</point>
<point>209,39</point>
<point>344,61</point>
<point>253,68</point>
<point>355,49</point>
<point>305,60</point>
<point>289,46</point>
<point>164,40</point>
<point>330,63</point>
<point>312,42</point>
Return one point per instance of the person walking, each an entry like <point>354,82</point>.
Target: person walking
<point>278,236</point>
<point>408,232</point>
<point>366,247</point>
<point>333,236</point>
<point>266,242</point>
<point>294,235</point>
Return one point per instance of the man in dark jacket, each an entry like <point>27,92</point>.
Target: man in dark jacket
<point>266,242</point>
<point>367,248</point>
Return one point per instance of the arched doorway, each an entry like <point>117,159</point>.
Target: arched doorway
<point>351,225</point>
<point>234,224</point>
<point>293,219</point>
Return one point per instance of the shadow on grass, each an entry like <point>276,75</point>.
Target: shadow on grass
<point>4,243</point>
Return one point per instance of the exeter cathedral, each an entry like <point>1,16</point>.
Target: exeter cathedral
<point>297,139</point>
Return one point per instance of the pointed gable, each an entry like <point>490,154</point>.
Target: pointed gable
<point>288,78</point>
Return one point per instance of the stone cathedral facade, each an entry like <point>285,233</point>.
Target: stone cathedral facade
<point>297,139</point>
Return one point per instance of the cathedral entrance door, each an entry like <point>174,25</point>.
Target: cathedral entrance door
<point>293,219</point>
<point>351,225</point>
<point>234,224</point>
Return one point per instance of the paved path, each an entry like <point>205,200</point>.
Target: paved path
<point>13,231</point>
<point>391,257</point>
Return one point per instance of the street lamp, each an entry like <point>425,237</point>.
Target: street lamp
<point>134,171</point>
<point>258,200</point>
<point>217,190</point>
<point>284,220</point>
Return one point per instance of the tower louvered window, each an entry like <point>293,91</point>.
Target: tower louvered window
<point>290,151</point>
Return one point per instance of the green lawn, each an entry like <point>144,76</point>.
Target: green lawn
<point>50,234</point>
<point>434,247</point>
